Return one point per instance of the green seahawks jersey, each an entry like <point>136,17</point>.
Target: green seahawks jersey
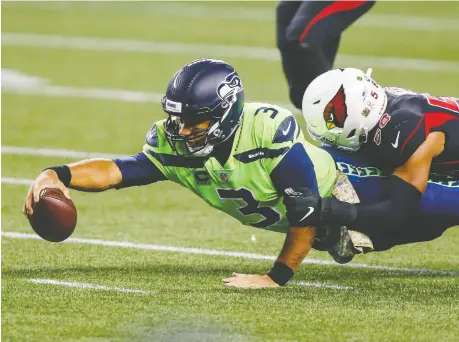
<point>242,187</point>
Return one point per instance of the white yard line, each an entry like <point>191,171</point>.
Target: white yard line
<point>101,94</point>
<point>89,93</point>
<point>221,51</point>
<point>389,21</point>
<point>199,251</point>
<point>50,152</point>
<point>321,285</point>
<point>251,13</point>
<point>17,181</point>
<point>118,289</point>
<point>17,82</point>
<point>85,286</point>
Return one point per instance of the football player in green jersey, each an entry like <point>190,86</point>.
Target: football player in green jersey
<point>249,160</point>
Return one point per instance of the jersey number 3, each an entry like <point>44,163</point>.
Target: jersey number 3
<point>270,215</point>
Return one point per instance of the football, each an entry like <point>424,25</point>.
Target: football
<point>54,216</point>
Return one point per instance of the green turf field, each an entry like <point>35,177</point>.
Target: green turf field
<point>99,91</point>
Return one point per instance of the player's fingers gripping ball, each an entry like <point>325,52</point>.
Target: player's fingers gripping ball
<point>54,216</point>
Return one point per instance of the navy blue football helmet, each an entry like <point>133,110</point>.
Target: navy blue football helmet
<point>205,89</point>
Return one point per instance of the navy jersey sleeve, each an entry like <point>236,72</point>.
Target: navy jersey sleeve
<point>294,170</point>
<point>138,170</point>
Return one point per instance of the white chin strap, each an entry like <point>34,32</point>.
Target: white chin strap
<point>201,153</point>
<point>369,71</point>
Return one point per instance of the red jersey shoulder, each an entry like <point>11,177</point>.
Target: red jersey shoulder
<point>448,104</point>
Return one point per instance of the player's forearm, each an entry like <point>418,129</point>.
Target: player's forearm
<point>297,245</point>
<point>406,185</point>
<point>416,170</point>
<point>94,175</point>
<point>298,242</point>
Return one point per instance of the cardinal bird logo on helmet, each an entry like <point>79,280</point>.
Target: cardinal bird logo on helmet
<point>335,112</point>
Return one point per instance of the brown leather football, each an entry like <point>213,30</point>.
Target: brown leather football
<point>54,216</point>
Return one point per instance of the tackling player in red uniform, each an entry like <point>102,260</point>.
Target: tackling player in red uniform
<point>382,127</point>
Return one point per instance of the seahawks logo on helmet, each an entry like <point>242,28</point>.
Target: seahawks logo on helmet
<point>207,90</point>
<point>229,88</point>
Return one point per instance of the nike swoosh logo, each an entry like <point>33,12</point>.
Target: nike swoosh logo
<point>395,144</point>
<point>311,210</point>
<point>284,132</point>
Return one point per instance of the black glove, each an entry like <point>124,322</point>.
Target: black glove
<point>307,208</point>
<point>336,212</point>
<point>303,207</point>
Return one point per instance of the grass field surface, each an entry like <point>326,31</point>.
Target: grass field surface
<point>147,263</point>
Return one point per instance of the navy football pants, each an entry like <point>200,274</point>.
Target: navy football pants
<point>308,35</point>
<point>439,204</point>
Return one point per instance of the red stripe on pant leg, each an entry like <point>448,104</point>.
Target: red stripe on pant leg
<point>338,6</point>
<point>448,162</point>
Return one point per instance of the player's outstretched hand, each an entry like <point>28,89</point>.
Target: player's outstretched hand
<point>250,281</point>
<point>47,179</point>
